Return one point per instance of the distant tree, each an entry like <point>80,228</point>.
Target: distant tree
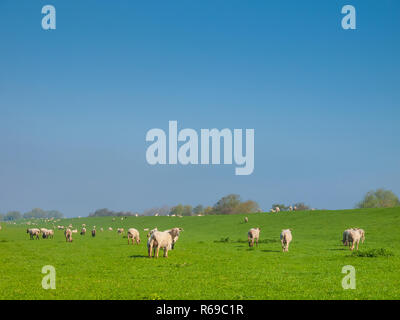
<point>38,213</point>
<point>198,209</point>
<point>300,206</point>
<point>247,207</point>
<point>379,198</point>
<point>232,204</point>
<point>208,210</point>
<point>227,204</point>
<point>12,215</point>
<point>187,210</point>
<point>177,210</point>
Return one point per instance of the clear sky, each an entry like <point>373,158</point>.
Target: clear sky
<point>76,102</point>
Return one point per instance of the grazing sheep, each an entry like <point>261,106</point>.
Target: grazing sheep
<point>295,208</point>
<point>60,227</point>
<point>362,234</point>
<point>33,233</point>
<point>83,231</point>
<point>272,210</point>
<point>83,224</point>
<point>93,232</point>
<point>43,230</point>
<point>163,239</point>
<point>353,237</point>
<point>109,229</point>
<point>101,229</point>
<point>134,235</point>
<point>246,219</point>
<point>48,234</point>
<point>286,238</point>
<point>75,231</point>
<point>290,208</point>
<point>345,239</point>
<point>68,235</point>
<point>253,235</point>
<point>277,209</point>
<point>120,230</point>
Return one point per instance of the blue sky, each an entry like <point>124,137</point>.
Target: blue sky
<point>76,102</point>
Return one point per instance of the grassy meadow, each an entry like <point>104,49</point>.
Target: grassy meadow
<point>211,260</point>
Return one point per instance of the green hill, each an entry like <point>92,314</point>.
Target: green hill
<point>211,260</point>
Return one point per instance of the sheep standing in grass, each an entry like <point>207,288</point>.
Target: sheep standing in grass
<point>134,235</point>
<point>109,229</point>
<point>272,210</point>
<point>93,232</point>
<point>83,231</point>
<point>33,233</point>
<point>246,219</point>
<point>362,234</point>
<point>120,230</point>
<point>165,240</point>
<point>68,235</point>
<point>345,238</point>
<point>48,234</point>
<point>353,237</point>
<point>253,235</point>
<point>277,209</point>
<point>286,238</point>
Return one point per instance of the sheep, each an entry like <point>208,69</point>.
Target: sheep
<point>163,239</point>
<point>294,208</point>
<point>43,230</point>
<point>109,229</point>
<point>353,237</point>
<point>83,225</point>
<point>246,219</point>
<point>362,234</point>
<point>93,232</point>
<point>120,230</point>
<point>290,208</point>
<point>272,210</point>
<point>60,227</point>
<point>101,229</point>
<point>83,231</point>
<point>253,235</point>
<point>75,231</point>
<point>134,235</point>
<point>68,235</point>
<point>277,209</point>
<point>286,238</point>
<point>33,233</point>
<point>345,238</point>
<point>48,234</point>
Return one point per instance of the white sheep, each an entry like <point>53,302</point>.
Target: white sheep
<point>286,238</point>
<point>163,239</point>
<point>253,235</point>
<point>134,235</point>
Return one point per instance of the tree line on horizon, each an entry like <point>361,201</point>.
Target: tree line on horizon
<point>36,213</point>
<point>230,204</point>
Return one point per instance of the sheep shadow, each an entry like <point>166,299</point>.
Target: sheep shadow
<point>137,256</point>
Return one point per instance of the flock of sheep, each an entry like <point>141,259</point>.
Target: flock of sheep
<point>351,237</point>
<point>166,240</point>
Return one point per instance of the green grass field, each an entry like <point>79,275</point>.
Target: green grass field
<point>211,260</point>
